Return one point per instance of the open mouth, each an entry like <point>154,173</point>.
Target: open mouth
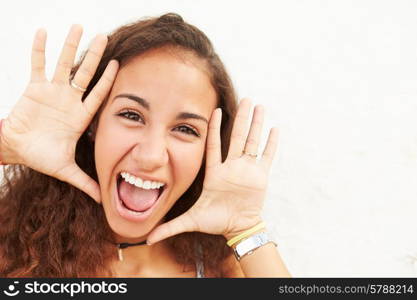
<point>125,207</point>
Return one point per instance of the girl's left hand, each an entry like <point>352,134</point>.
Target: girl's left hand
<point>234,190</point>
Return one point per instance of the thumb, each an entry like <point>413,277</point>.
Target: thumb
<point>78,178</point>
<point>183,223</point>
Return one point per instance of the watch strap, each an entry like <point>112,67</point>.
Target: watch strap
<point>250,244</point>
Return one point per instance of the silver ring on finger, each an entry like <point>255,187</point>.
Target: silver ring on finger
<point>77,87</point>
<point>250,154</point>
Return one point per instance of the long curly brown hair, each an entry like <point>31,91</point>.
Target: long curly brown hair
<point>49,228</point>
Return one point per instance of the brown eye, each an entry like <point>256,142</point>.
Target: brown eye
<point>187,130</point>
<point>130,115</point>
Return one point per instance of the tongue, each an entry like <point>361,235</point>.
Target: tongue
<point>135,198</point>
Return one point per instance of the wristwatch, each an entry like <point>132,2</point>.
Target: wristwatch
<point>247,246</point>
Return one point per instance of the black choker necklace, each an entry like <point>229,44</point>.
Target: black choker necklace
<point>125,245</point>
<point>121,246</point>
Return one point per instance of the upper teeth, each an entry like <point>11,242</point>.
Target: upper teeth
<point>144,184</point>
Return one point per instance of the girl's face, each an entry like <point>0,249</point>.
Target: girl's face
<point>153,128</point>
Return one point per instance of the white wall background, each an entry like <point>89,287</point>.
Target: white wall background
<point>339,78</point>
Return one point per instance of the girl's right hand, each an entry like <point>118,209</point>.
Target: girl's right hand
<point>43,128</point>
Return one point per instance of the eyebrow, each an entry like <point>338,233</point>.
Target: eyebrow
<point>145,104</point>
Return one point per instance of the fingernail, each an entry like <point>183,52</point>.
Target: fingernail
<point>114,61</point>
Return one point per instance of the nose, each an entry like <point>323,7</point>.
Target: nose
<point>150,152</point>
